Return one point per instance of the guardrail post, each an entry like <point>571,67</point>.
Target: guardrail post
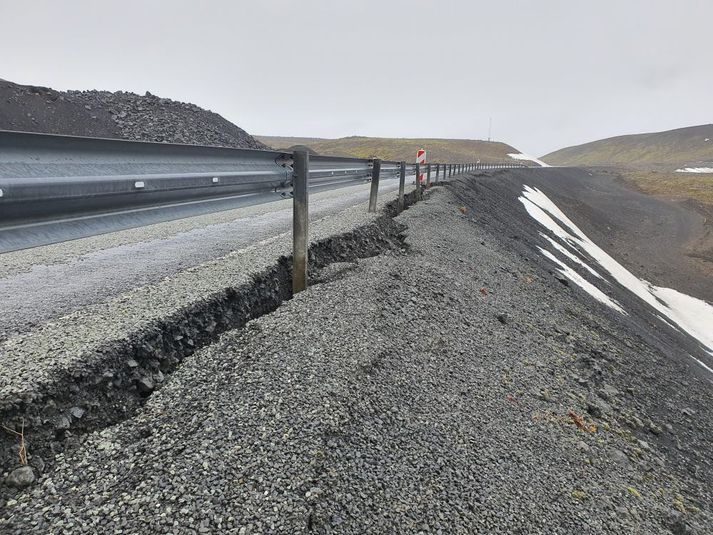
<point>402,185</point>
<point>428,175</point>
<point>374,193</point>
<point>418,185</point>
<point>438,171</point>
<point>300,220</point>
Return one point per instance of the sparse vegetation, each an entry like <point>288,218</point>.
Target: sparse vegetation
<point>22,452</point>
<point>698,187</point>
<point>682,147</point>
<point>438,150</point>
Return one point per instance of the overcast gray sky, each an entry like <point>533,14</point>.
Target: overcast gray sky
<point>550,73</point>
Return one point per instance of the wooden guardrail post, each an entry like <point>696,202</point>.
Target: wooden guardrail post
<point>374,193</point>
<point>402,185</point>
<point>300,220</point>
<point>428,175</point>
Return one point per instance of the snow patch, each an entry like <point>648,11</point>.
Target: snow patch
<point>521,156</point>
<point>583,283</point>
<point>695,170</point>
<point>692,315</point>
<point>574,258</point>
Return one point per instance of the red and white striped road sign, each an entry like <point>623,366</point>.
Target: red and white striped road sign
<point>421,159</point>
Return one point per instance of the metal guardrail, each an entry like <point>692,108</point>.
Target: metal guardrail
<point>43,175</point>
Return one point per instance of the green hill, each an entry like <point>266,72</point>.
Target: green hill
<point>437,150</point>
<point>682,147</point>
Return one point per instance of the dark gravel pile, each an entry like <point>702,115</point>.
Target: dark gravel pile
<point>116,115</point>
<point>452,387</point>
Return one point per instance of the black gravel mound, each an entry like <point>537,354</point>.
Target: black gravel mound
<point>120,115</point>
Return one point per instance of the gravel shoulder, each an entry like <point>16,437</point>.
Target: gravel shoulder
<point>460,388</point>
<point>45,283</point>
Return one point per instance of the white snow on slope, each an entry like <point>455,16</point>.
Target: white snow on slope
<point>692,315</point>
<point>695,170</point>
<point>527,157</point>
<point>573,257</point>
<point>583,283</point>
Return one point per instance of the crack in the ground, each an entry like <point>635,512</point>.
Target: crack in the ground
<point>125,373</point>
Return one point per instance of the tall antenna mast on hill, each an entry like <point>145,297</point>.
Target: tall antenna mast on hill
<point>490,128</point>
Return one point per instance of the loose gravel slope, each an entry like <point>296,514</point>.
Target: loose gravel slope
<point>119,114</point>
<point>454,386</point>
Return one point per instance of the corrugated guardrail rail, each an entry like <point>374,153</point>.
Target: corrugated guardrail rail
<point>45,175</point>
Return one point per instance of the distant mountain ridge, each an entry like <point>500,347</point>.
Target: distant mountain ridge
<point>437,150</point>
<point>682,147</point>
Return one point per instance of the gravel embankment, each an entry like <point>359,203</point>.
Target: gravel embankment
<point>94,366</point>
<point>435,389</point>
<point>116,115</point>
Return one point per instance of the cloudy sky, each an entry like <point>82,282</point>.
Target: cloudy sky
<point>550,73</point>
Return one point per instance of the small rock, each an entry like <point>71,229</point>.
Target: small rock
<point>677,523</point>
<point>145,385</point>
<point>77,412</point>
<point>38,463</point>
<point>688,412</point>
<point>63,423</point>
<point>564,280</point>
<point>597,407</point>
<point>545,395</point>
<point>502,318</point>
<point>619,457</point>
<point>608,392</point>
<point>131,363</point>
<point>654,429</point>
<point>21,477</point>
<point>583,446</point>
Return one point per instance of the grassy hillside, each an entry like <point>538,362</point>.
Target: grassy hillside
<point>437,150</point>
<point>672,185</point>
<point>682,147</point>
